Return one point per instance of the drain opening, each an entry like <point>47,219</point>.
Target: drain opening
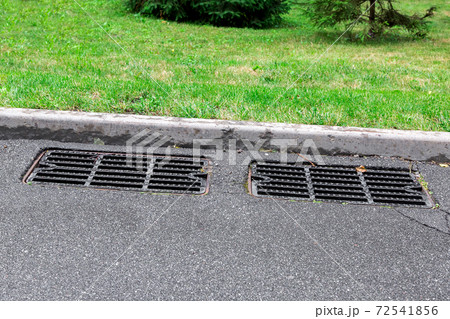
<point>144,173</point>
<point>338,183</point>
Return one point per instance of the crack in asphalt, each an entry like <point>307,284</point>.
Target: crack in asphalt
<point>447,218</point>
<point>428,226</point>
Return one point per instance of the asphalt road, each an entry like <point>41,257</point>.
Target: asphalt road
<point>64,243</point>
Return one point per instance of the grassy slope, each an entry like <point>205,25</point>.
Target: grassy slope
<point>53,56</point>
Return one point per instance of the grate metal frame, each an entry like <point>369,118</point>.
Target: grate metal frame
<point>382,186</point>
<point>108,171</point>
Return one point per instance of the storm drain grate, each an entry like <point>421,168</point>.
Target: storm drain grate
<point>144,173</point>
<point>345,184</point>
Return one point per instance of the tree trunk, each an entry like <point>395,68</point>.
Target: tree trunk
<point>372,11</point>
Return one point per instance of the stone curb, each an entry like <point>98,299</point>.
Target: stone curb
<point>116,129</point>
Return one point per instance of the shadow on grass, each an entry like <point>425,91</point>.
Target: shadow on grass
<point>360,38</point>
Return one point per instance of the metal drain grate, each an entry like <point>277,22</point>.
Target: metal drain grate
<point>371,185</point>
<point>159,174</point>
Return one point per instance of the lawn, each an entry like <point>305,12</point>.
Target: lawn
<point>54,56</point>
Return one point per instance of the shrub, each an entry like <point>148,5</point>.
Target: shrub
<point>234,13</point>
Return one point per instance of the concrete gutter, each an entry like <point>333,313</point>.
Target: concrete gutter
<point>116,129</point>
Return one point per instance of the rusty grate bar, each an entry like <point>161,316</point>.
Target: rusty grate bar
<point>144,173</point>
<point>338,183</point>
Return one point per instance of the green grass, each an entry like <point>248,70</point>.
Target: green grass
<point>53,56</point>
